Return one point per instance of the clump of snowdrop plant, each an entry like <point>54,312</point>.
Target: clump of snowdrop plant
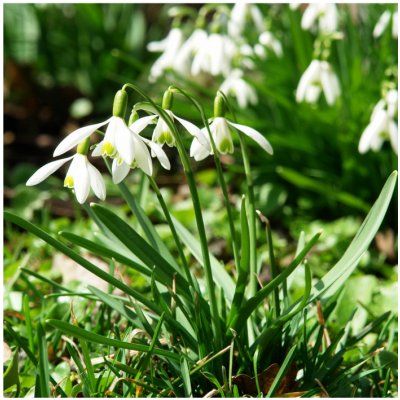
<point>218,49</point>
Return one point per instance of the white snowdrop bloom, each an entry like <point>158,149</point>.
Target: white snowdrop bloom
<point>170,47</point>
<point>241,12</point>
<point>382,125</point>
<point>214,56</point>
<point>384,22</point>
<point>323,15</point>
<point>319,76</point>
<point>268,40</point>
<point>221,132</point>
<point>188,50</point>
<point>117,140</point>
<point>236,86</point>
<point>162,134</point>
<point>81,176</point>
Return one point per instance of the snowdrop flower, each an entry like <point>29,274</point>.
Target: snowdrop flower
<point>382,125</point>
<point>220,129</point>
<point>170,47</point>
<point>189,49</point>
<point>81,175</point>
<point>383,23</point>
<point>118,140</point>
<point>162,133</point>
<point>325,15</point>
<point>318,77</point>
<point>236,86</point>
<point>214,56</point>
<point>268,40</point>
<point>239,14</point>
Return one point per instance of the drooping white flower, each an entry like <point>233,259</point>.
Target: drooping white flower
<point>319,76</point>
<point>323,15</point>
<point>162,133</point>
<point>215,55</point>
<point>383,23</point>
<point>170,47</point>
<point>221,132</point>
<point>236,86</point>
<point>117,140</point>
<point>268,40</point>
<point>382,125</point>
<point>241,12</point>
<point>81,176</point>
<point>188,50</point>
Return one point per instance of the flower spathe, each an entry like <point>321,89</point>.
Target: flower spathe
<point>221,133</point>
<point>318,77</point>
<point>382,125</point>
<point>117,140</point>
<point>81,176</point>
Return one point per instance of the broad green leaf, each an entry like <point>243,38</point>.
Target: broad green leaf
<point>222,278</point>
<point>95,338</point>
<point>338,275</point>
<point>11,375</point>
<point>255,301</point>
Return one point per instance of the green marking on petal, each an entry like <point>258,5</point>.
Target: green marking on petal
<point>108,149</point>
<point>69,182</point>
<point>225,146</point>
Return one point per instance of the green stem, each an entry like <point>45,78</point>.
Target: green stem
<point>220,175</point>
<point>197,209</point>
<point>252,218</point>
<point>178,243</point>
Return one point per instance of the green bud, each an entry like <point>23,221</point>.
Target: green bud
<point>83,147</point>
<point>219,106</point>
<point>133,117</point>
<point>167,99</point>
<point>120,103</point>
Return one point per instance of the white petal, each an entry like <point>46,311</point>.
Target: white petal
<point>393,132</point>
<point>142,123</point>
<point>395,25</point>
<point>142,156</point>
<point>198,151</point>
<point>119,171</point>
<point>157,151</point>
<point>74,138</point>
<point>192,129</point>
<point>329,83</point>
<point>96,182</point>
<point>371,132</point>
<point>312,94</point>
<point>80,174</point>
<point>309,16</point>
<point>382,24</point>
<point>255,135</point>
<point>309,77</point>
<point>124,142</point>
<point>98,149</point>
<point>42,173</point>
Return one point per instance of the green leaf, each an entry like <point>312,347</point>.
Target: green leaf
<point>95,338</point>
<point>305,182</point>
<point>255,301</point>
<point>222,278</point>
<point>338,275</point>
<point>11,375</point>
<point>42,386</point>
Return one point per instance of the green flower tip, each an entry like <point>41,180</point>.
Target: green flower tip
<point>120,103</point>
<point>219,106</point>
<point>167,99</point>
